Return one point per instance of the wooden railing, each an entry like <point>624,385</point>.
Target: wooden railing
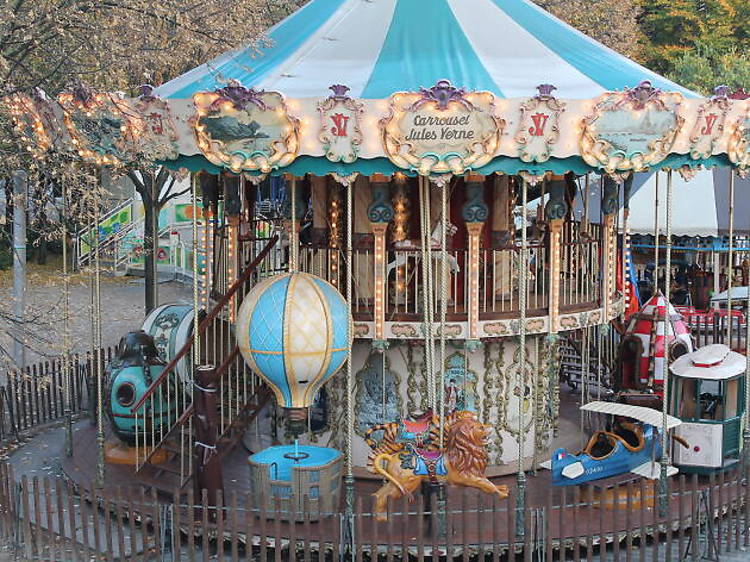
<point>46,519</point>
<point>579,283</point>
<point>237,384</point>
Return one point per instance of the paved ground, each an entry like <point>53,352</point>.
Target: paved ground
<point>122,309</point>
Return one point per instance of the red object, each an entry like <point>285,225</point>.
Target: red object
<point>697,449</point>
<point>631,301</point>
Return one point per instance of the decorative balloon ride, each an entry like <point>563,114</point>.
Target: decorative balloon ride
<point>128,376</point>
<point>707,394</point>
<point>295,331</point>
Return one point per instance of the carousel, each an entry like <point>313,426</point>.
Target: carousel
<point>429,260</point>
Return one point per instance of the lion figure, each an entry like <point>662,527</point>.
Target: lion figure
<point>463,462</point>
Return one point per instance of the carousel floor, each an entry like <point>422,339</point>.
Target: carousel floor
<point>571,511</point>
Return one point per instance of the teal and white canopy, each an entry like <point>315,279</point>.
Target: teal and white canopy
<point>379,47</point>
<point>429,87</point>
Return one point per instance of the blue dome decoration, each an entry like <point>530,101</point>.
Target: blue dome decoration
<point>295,331</point>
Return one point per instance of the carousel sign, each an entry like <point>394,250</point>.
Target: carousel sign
<point>441,130</point>
<point>631,130</point>
<point>244,129</point>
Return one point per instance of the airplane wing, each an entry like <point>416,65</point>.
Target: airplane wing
<point>652,470</point>
<point>640,413</point>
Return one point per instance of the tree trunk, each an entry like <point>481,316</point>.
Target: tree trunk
<point>149,195</point>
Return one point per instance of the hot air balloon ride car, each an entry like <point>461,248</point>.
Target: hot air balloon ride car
<point>708,395</point>
<point>632,445</point>
<point>295,331</point>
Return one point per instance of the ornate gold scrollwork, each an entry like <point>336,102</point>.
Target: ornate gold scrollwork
<point>441,130</point>
<point>245,129</point>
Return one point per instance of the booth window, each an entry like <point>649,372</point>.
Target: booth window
<point>687,407</point>
<point>711,399</point>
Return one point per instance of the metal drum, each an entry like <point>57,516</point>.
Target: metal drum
<point>171,326</point>
<point>129,375</point>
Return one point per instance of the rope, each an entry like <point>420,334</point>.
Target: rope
<point>730,258</point>
<point>667,331</point>
<point>293,245</point>
<point>98,345</point>
<point>349,371</point>
<point>426,296</point>
<point>443,301</point>
<point>522,298</point>
<point>196,336</point>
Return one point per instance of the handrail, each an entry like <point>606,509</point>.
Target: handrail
<point>204,323</point>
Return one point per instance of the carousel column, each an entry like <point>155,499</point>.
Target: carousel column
<point>209,184</point>
<point>233,187</point>
<point>555,212</point>
<point>609,243</point>
<point>380,214</point>
<point>292,222</point>
<point>475,213</point>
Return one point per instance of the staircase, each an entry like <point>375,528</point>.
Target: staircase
<point>573,362</point>
<point>109,244</point>
<point>164,455</point>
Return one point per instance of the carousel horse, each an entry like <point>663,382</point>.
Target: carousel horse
<point>416,245</point>
<point>463,462</point>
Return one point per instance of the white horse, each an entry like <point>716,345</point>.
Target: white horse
<point>414,249</point>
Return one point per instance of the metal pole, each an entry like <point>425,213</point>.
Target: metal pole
<point>663,488</point>
<point>522,296</point>
<point>66,330</point>
<point>656,236</point>
<point>98,340</point>
<point>20,186</point>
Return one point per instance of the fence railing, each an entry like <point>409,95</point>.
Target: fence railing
<point>38,394</point>
<point>46,519</point>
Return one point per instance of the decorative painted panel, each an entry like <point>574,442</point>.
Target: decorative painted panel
<point>340,131</point>
<point>441,130</point>
<point>245,129</point>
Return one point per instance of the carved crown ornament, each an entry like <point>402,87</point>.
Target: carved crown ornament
<point>245,129</point>
<point>631,130</point>
<point>539,125</point>
<point>441,130</point>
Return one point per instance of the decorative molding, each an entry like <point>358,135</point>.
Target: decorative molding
<point>345,181</point>
<point>556,207</point>
<point>103,128</point>
<point>158,140</point>
<point>709,124</point>
<point>245,129</point>
<point>738,148</point>
<point>441,130</point>
<point>340,130</point>
<point>632,129</point>
<point>380,209</point>
<point>475,209</point>
<point>539,125</point>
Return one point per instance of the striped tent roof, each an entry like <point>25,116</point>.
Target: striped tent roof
<point>378,47</point>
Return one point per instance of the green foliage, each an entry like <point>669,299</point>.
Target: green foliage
<point>704,68</point>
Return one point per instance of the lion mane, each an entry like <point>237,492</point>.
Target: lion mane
<point>465,447</point>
